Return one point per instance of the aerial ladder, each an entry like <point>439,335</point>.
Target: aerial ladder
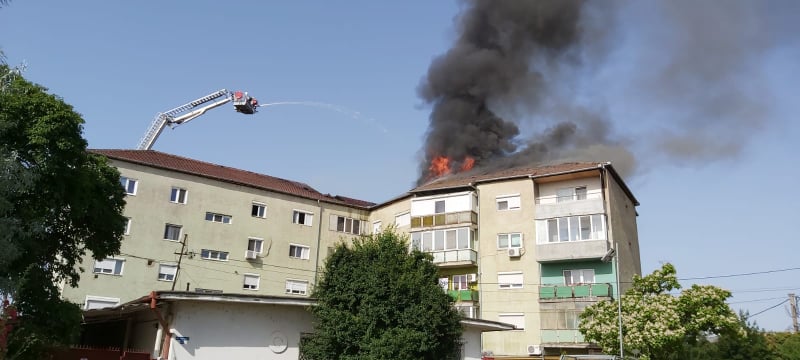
<point>242,102</point>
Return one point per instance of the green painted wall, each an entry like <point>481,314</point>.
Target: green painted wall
<point>553,273</point>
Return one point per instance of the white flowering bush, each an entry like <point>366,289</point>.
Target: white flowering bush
<point>654,322</point>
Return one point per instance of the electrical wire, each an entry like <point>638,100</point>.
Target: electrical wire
<point>769,308</point>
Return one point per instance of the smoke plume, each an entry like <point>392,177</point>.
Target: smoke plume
<point>530,82</point>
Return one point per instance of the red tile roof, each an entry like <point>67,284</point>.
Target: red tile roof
<point>227,174</point>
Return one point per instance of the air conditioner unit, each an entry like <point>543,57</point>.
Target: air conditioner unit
<point>534,349</point>
<point>514,252</point>
<point>471,278</point>
<point>250,254</point>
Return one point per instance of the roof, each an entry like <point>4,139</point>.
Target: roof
<point>472,178</point>
<point>181,164</point>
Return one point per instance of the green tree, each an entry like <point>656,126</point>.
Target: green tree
<point>655,322</point>
<point>377,300</point>
<point>785,345</point>
<point>56,202</point>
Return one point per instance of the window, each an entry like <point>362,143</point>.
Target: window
<point>516,319</point>
<point>172,232</point>
<point>99,302</point>
<point>255,245</point>
<point>127,226</point>
<point>402,220</point>
<point>512,240</point>
<point>296,287</point>
<point>345,225</point>
<point>439,240</point>
<point>510,280</point>
<point>251,281</point>
<point>167,272</point>
<point>509,202</point>
<point>572,228</point>
<point>439,207</point>
<point>109,266</point>
<point>178,195</point>
<point>561,319</point>
<point>302,217</point>
<point>575,277</point>
<point>376,227</point>
<point>299,251</point>
<point>214,255</point>
<point>129,185</point>
<point>214,217</point>
<point>571,194</point>
<point>258,210</point>
<point>461,282</point>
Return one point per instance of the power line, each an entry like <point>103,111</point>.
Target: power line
<point>742,274</point>
<point>769,308</point>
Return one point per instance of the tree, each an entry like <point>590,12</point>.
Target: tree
<point>56,202</point>
<point>377,300</point>
<point>785,345</point>
<point>655,322</point>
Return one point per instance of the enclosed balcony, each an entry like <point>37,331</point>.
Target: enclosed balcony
<point>436,220</point>
<point>556,292</point>
<point>571,250</point>
<point>455,258</point>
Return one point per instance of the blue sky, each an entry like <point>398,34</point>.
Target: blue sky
<point>120,63</point>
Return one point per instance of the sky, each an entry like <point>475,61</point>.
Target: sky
<point>358,66</point>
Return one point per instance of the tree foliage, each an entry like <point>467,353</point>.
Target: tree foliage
<point>377,300</point>
<point>56,202</point>
<point>655,322</point>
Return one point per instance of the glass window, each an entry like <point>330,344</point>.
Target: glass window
<point>552,228</point>
<point>586,227</point>
<point>209,254</point>
<point>108,266</point>
<point>254,244</point>
<point>219,218</point>
<point>172,232</point>
<point>258,210</point>
<point>251,281</point>
<point>178,196</point>
<point>580,193</point>
<point>597,227</point>
<point>129,185</point>
<point>510,280</point>
<point>574,234</point>
<point>295,287</point>
<point>299,252</point>
<point>460,282</point>
<point>563,229</point>
<point>302,217</point>
<point>438,240</point>
<point>439,207</point>
<point>463,238</point>
<point>502,241</point>
<point>167,272</point>
<point>516,240</point>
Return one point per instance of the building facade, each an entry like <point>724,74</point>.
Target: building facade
<point>525,246</point>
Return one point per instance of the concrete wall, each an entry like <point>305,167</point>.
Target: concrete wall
<point>623,232</point>
<point>238,331</point>
<point>386,214</point>
<point>493,300</point>
<point>150,210</point>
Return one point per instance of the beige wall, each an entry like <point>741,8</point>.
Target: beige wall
<point>386,214</point>
<point>150,209</point>
<point>623,232</point>
<point>493,300</point>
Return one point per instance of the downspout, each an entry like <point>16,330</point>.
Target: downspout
<point>319,243</point>
<point>164,329</point>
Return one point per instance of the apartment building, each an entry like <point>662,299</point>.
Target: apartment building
<point>196,226</point>
<point>528,246</point>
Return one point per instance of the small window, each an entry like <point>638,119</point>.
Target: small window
<point>402,220</point>
<point>571,194</point>
<point>511,202</point>
<point>299,252</point>
<point>296,287</point>
<point>251,281</point>
<point>214,255</point>
<point>172,232</point>
<point>516,319</point>
<point>259,210</point>
<point>439,207</point>
<point>218,218</point>
<point>99,302</point>
<point>255,245</point>
<point>506,241</point>
<point>178,196</point>
<point>109,266</point>
<point>376,227</point>
<point>510,280</point>
<point>127,226</point>
<point>167,272</point>
<point>461,282</point>
<point>302,217</point>
<point>129,185</point>
<point>345,225</point>
<point>580,276</point>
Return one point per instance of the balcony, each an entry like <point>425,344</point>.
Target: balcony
<point>463,295</point>
<point>562,336</point>
<point>557,292</point>
<point>455,258</point>
<point>551,209</point>
<point>428,221</point>
<point>571,250</point>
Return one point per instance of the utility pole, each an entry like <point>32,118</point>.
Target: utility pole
<point>180,257</point>
<point>793,307</point>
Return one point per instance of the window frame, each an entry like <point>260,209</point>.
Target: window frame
<point>175,195</point>
<point>508,241</point>
<point>419,239</point>
<point>251,287</point>
<point>564,226</point>
<point>305,251</point>
<point>257,240</point>
<point>510,285</point>
<point>99,299</point>
<point>262,213</point>
<point>309,216</point>
<point>405,218</point>
<point>212,216</point>
<point>303,283</point>
<point>582,272</point>
<point>113,269</point>
<point>347,225</point>
<point>169,226</point>
<point>127,226</point>
<point>509,201</point>
<point>126,184</point>
<point>519,316</point>
<point>217,258</point>
<point>173,273</point>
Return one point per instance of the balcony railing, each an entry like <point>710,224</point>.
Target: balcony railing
<point>444,219</point>
<point>561,336</point>
<point>455,257</point>
<point>463,295</point>
<point>555,292</point>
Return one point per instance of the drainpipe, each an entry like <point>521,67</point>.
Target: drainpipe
<point>319,243</point>
<point>163,347</point>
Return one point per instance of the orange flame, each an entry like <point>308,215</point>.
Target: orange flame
<point>468,163</point>
<point>440,166</point>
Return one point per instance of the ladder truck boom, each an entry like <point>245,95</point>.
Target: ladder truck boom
<point>242,102</point>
